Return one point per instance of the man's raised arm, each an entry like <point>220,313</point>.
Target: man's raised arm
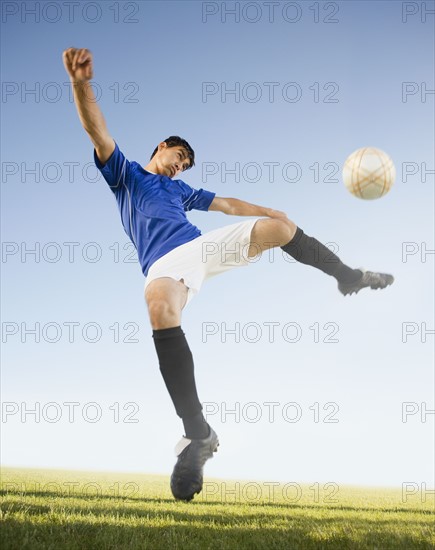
<point>78,65</point>
<point>237,207</point>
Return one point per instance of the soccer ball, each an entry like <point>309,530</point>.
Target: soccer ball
<point>368,173</point>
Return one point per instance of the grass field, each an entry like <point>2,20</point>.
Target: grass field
<point>86,510</point>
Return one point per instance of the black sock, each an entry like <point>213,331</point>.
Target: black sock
<point>176,366</point>
<point>196,427</point>
<point>310,251</point>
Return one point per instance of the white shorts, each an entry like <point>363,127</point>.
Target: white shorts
<point>206,256</point>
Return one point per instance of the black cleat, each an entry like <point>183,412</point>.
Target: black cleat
<point>187,477</point>
<point>368,278</point>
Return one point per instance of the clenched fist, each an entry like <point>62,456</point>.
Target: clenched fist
<point>78,64</point>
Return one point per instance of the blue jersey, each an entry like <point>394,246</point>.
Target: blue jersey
<point>152,207</point>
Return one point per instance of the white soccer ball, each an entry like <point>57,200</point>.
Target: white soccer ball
<point>369,173</point>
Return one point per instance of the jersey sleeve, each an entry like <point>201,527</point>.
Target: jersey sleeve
<point>195,199</point>
<point>116,171</point>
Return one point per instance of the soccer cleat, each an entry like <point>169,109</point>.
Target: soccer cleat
<point>186,479</point>
<point>368,278</point>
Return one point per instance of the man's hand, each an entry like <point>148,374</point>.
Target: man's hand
<point>271,213</point>
<point>78,64</point>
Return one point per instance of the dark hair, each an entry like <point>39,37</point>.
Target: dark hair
<point>177,141</point>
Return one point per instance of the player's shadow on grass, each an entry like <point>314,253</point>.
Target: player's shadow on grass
<point>182,510</point>
<point>81,533</point>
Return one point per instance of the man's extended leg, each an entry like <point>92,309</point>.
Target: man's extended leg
<point>166,298</point>
<point>268,233</point>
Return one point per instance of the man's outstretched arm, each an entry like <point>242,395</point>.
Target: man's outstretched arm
<point>236,207</point>
<point>78,65</point>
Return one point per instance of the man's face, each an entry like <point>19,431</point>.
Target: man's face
<point>171,161</point>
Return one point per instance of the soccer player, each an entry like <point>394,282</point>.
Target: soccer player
<point>176,258</point>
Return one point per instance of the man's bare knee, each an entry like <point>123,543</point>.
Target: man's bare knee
<point>292,227</point>
<point>271,233</point>
<point>285,231</point>
<point>163,314</point>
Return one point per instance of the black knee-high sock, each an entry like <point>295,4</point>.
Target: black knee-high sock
<point>176,366</point>
<point>310,251</point>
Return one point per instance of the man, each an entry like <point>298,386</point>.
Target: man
<point>176,259</point>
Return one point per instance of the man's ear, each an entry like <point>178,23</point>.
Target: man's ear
<point>162,146</point>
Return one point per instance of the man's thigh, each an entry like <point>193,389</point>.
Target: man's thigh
<point>166,294</point>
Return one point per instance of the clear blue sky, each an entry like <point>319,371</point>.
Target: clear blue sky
<point>152,76</point>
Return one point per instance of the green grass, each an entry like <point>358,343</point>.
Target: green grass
<point>85,510</point>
